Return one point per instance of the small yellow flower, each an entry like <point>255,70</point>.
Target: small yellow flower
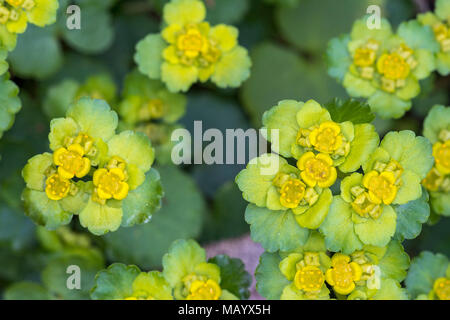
<point>16,14</point>
<point>435,181</point>
<point>442,35</point>
<point>364,58</point>
<point>152,109</point>
<point>204,290</point>
<point>343,274</point>
<point>442,288</point>
<point>71,162</point>
<point>110,183</point>
<point>362,205</point>
<point>309,278</point>
<point>57,187</point>
<point>441,154</point>
<point>317,169</point>
<point>395,67</point>
<point>327,138</point>
<point>189,49</point>
<point>381,186</point>
<point>292,192</point>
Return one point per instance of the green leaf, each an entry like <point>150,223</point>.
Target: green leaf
<point>303,26</point>
<point>181,216</point>
<point>270,282</point>
<point>23,264</point>
<point>59,98</point>
<point>55,276</point>
<point>233,276</point>
<point>278,74</point>
<point>349,110</point>
<point>143,202</point>
<point>395,262</point>
<point>38,66</point>
<point>290,3</point>
<point>424,270</point>
<point>9,103</point>
<point>226,219</point>
<point>27,291</point>
<point>96,33</point>
<point>226,11</point>
<point>275,230</point>
<point>411,216</point>
<point>15,228</point>
<point>343,238</point>
<point>115,282</point>
<point>218,113</point>
<point>433,238</point>
<point>104,4</point>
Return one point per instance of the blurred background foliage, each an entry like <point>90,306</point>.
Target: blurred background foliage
<point>286,40</point>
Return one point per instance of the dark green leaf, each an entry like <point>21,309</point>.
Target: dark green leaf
<point>181,216</point>
<point>349,110</point>
<point>411,216</point>
<point>233,276</point>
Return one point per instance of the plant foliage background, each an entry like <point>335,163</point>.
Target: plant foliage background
<point>286,40</point>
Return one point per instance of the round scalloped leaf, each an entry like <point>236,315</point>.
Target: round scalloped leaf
<point>275,230</point>
<point>10,103</point>
<point>233,276</point>
<point>115,282</point>
<point>390,290</point>
<point>26,291</point>
<point>215,113</point>
<point>424,270</point>
<point>343,238</point>
<point>278,74</point>
<point>96,33</point>
<point>101,4</point>
<point>226,11</point>
<point>395,262</point>
<point>56,274</point>
<point>226,219</point>
<point>59,98</point>
<point>181,216</point>
<point>303,26</point>
<point>44,211</point>
<point>39,66</point>
<point>411,216</point>
<point>141,203</point>
<point>15,228</point>
<point>270,282</point>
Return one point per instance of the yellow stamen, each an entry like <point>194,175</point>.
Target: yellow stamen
<point>393,66</point>
<point>381,186</point>
<point>57,187</point>
<point>309,278</point>
<point>364,57</point>
<point>204,290</point>
<point>442,288</point>
<point>433,180</point>
<point>317,169</point>
<point>152,109</point>
<point>292,192</point>
<point>191,43</point>
<point>364,207</point>
<point>343,274</point>
<point>441,154</point>
<point>71,162</point>
<point>326,138</point>
<point>110,183</point>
